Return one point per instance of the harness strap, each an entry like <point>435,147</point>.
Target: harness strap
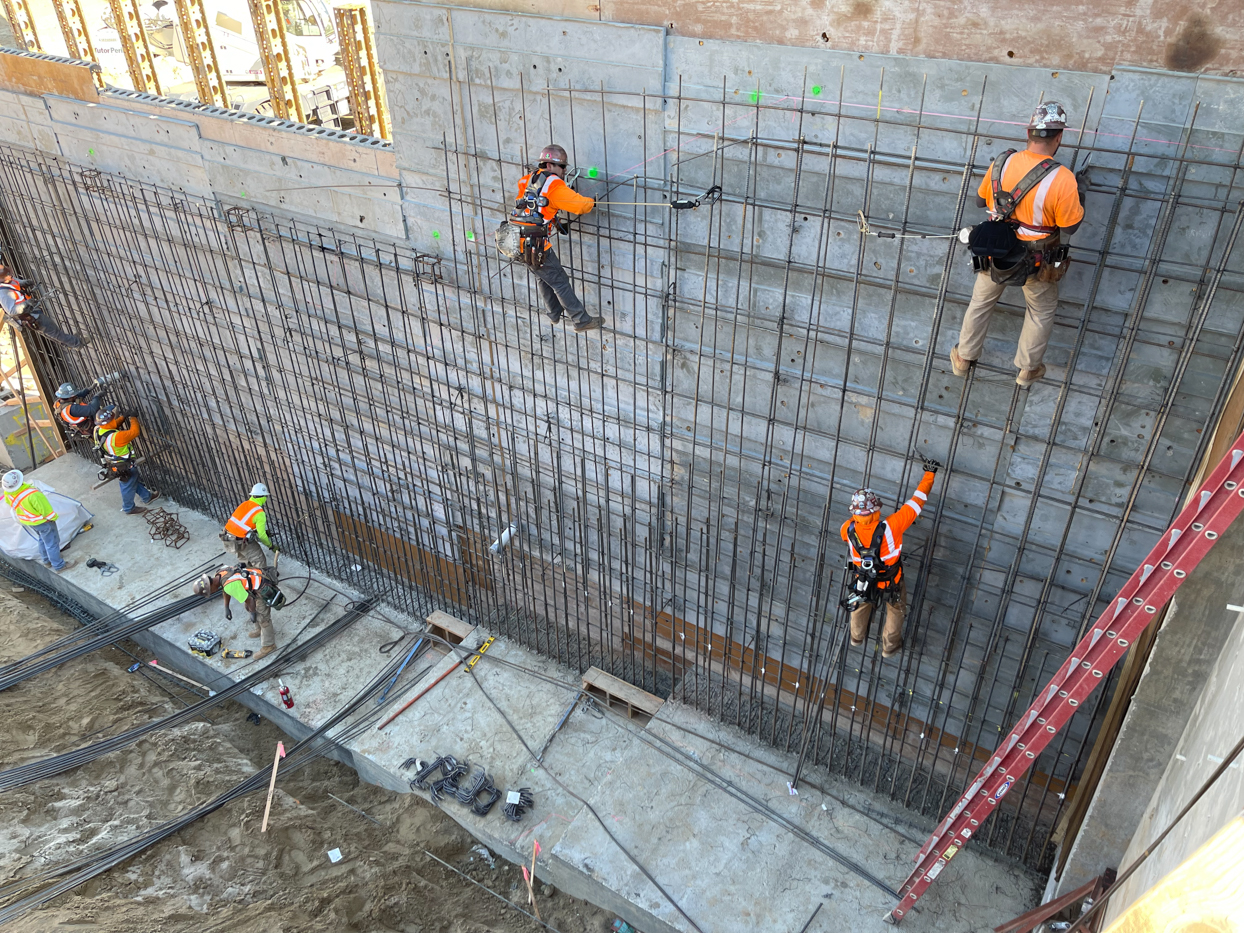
<point>886,573</point>
<point>1005,202</point>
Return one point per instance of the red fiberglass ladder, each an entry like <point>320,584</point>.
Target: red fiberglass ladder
<point>1181,548</point>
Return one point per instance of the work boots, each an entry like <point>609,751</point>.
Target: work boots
<point>591,323</point>
<point>1027,377</point>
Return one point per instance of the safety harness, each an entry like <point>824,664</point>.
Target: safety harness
<point>79,424</point>
<point>121,467</point>
<point>528,217</point>
<point>994,245</point>
<point>865,583</point>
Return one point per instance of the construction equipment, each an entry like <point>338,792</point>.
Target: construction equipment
<point>368,103</point>
<point>128,20</point>
<point>384,694</point>
<point>278,70</point>
<point>201,51</point>
<point>1189,538</point>
<point>22,22</point>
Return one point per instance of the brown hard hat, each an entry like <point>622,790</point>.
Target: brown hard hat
<point>555,154</point>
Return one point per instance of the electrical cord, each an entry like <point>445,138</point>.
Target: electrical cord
<point>586,805</point>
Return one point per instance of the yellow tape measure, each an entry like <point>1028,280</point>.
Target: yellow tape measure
<point>479,653</point>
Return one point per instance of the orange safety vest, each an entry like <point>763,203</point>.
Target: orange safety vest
<point>62,409</point>
<point>242,521</point>
<point>18,298</point>
<point>251,579</point>
<point>25,516</point>
<point>530,204</point>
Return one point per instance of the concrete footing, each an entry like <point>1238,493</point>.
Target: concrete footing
<point>632,817</point>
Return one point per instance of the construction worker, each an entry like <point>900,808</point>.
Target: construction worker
<point>246,584</point>
<point>36,515</point>
<point>114,439</point>
<point>1034,205</point>
<point>877,561</point>
<point>76,409</point>
<point>541,194</point>
<point>247,528</point>
<point>21,311</point>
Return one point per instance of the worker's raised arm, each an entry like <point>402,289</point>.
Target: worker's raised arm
<point>901,520</point>
<point>562,197</point>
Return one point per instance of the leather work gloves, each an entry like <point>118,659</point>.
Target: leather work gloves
<point>931,465</point>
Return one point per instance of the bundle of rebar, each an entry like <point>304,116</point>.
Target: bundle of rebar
<point>58,764</point>
<point>119,625</point>
<point>26,894</point>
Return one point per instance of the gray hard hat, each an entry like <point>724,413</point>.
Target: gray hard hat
<point>66,390</point>
<point>1049,119</point>
<point>553,153</point>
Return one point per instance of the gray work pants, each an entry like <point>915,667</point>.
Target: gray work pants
<point>556,290</point>
<point>247,550</point>
<point>1041,301</point>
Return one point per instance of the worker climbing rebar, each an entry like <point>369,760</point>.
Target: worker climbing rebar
<point>24,313</point>
<point>1034,205</point>
<point>541,194</point>
<point>76,408</point>
<point>247,528</point>
<point>876,568</point>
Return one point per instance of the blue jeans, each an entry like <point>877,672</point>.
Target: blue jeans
<point>49,542</point>
<point>132,484</point>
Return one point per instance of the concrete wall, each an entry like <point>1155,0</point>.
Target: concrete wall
<point>1212,729</point>
<point>1078,35</point>
<point>680,478</point>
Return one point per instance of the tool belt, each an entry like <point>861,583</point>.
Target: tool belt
<point>1047,259</point>
<point>533,240</point>
<point>120,468</point>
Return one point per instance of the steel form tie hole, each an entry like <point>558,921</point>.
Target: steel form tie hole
<point>1197,526</point>
<point>1123,642</point>
<point>1211,535</point>
<point>1138,601</point>
<point>1073,702</point>
<point>1166,565</point>
<point>1180,574</point>
<point>1150,609</point>
<point>1096,673</point>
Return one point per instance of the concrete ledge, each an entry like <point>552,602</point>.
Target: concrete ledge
<point>606,782</point>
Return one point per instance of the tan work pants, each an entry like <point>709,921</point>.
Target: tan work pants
<point>262,619</point>
<point>1041,299</point>
<point>245,549</point>
<point>892,634</point>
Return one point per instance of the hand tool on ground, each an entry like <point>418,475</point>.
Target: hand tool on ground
<point>165,670</point>
<point>280,753</point>
<point>411,702</point>
<point>558,728</point>
<point>410,654</point>
<point>234,653</point>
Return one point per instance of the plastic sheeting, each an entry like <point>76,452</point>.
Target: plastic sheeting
<point>16,541</point>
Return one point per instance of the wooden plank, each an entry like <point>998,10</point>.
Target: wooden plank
<point>448,627</point>
<point>619,689</point>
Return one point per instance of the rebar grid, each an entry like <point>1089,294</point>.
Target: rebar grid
<point>677,483</point>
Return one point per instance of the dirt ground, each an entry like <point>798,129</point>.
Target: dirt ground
<point>221,873</point>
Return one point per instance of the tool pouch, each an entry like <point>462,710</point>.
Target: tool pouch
<point>533,242</point>
<point>1055,261</point>
<point>1015,274</point>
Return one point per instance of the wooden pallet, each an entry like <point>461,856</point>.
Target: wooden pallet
<point>618,694</point>
<point>443,625</point>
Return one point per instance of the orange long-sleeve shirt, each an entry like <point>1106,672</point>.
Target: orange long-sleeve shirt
<point>896,524</point>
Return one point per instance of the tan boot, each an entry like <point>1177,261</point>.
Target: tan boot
<point>960,366</point>
<point>1027,377</point>
<point>892,651</point>
<point>264,651</point>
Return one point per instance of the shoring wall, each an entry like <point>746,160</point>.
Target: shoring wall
<point>678,480</point>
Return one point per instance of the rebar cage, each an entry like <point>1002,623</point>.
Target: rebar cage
<point>673,487</point>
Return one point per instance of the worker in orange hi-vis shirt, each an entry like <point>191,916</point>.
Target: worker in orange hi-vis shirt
<point>541,194</point>
<point>1034,205</point>
<point>875,574</point>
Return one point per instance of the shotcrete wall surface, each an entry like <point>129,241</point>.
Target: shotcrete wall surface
<point>329,315</point>
<point>700,807</point>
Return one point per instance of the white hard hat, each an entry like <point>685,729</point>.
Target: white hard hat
<point>259,491</point>
<point>12,480</point>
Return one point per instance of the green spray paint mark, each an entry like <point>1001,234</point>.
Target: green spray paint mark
<point>470,234</point>
<point>90,152</point>
<point>436,234</point>
<point>243,194</point>
<point>593,172</point>
<point>755,96</point>
<point>816,90</point>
